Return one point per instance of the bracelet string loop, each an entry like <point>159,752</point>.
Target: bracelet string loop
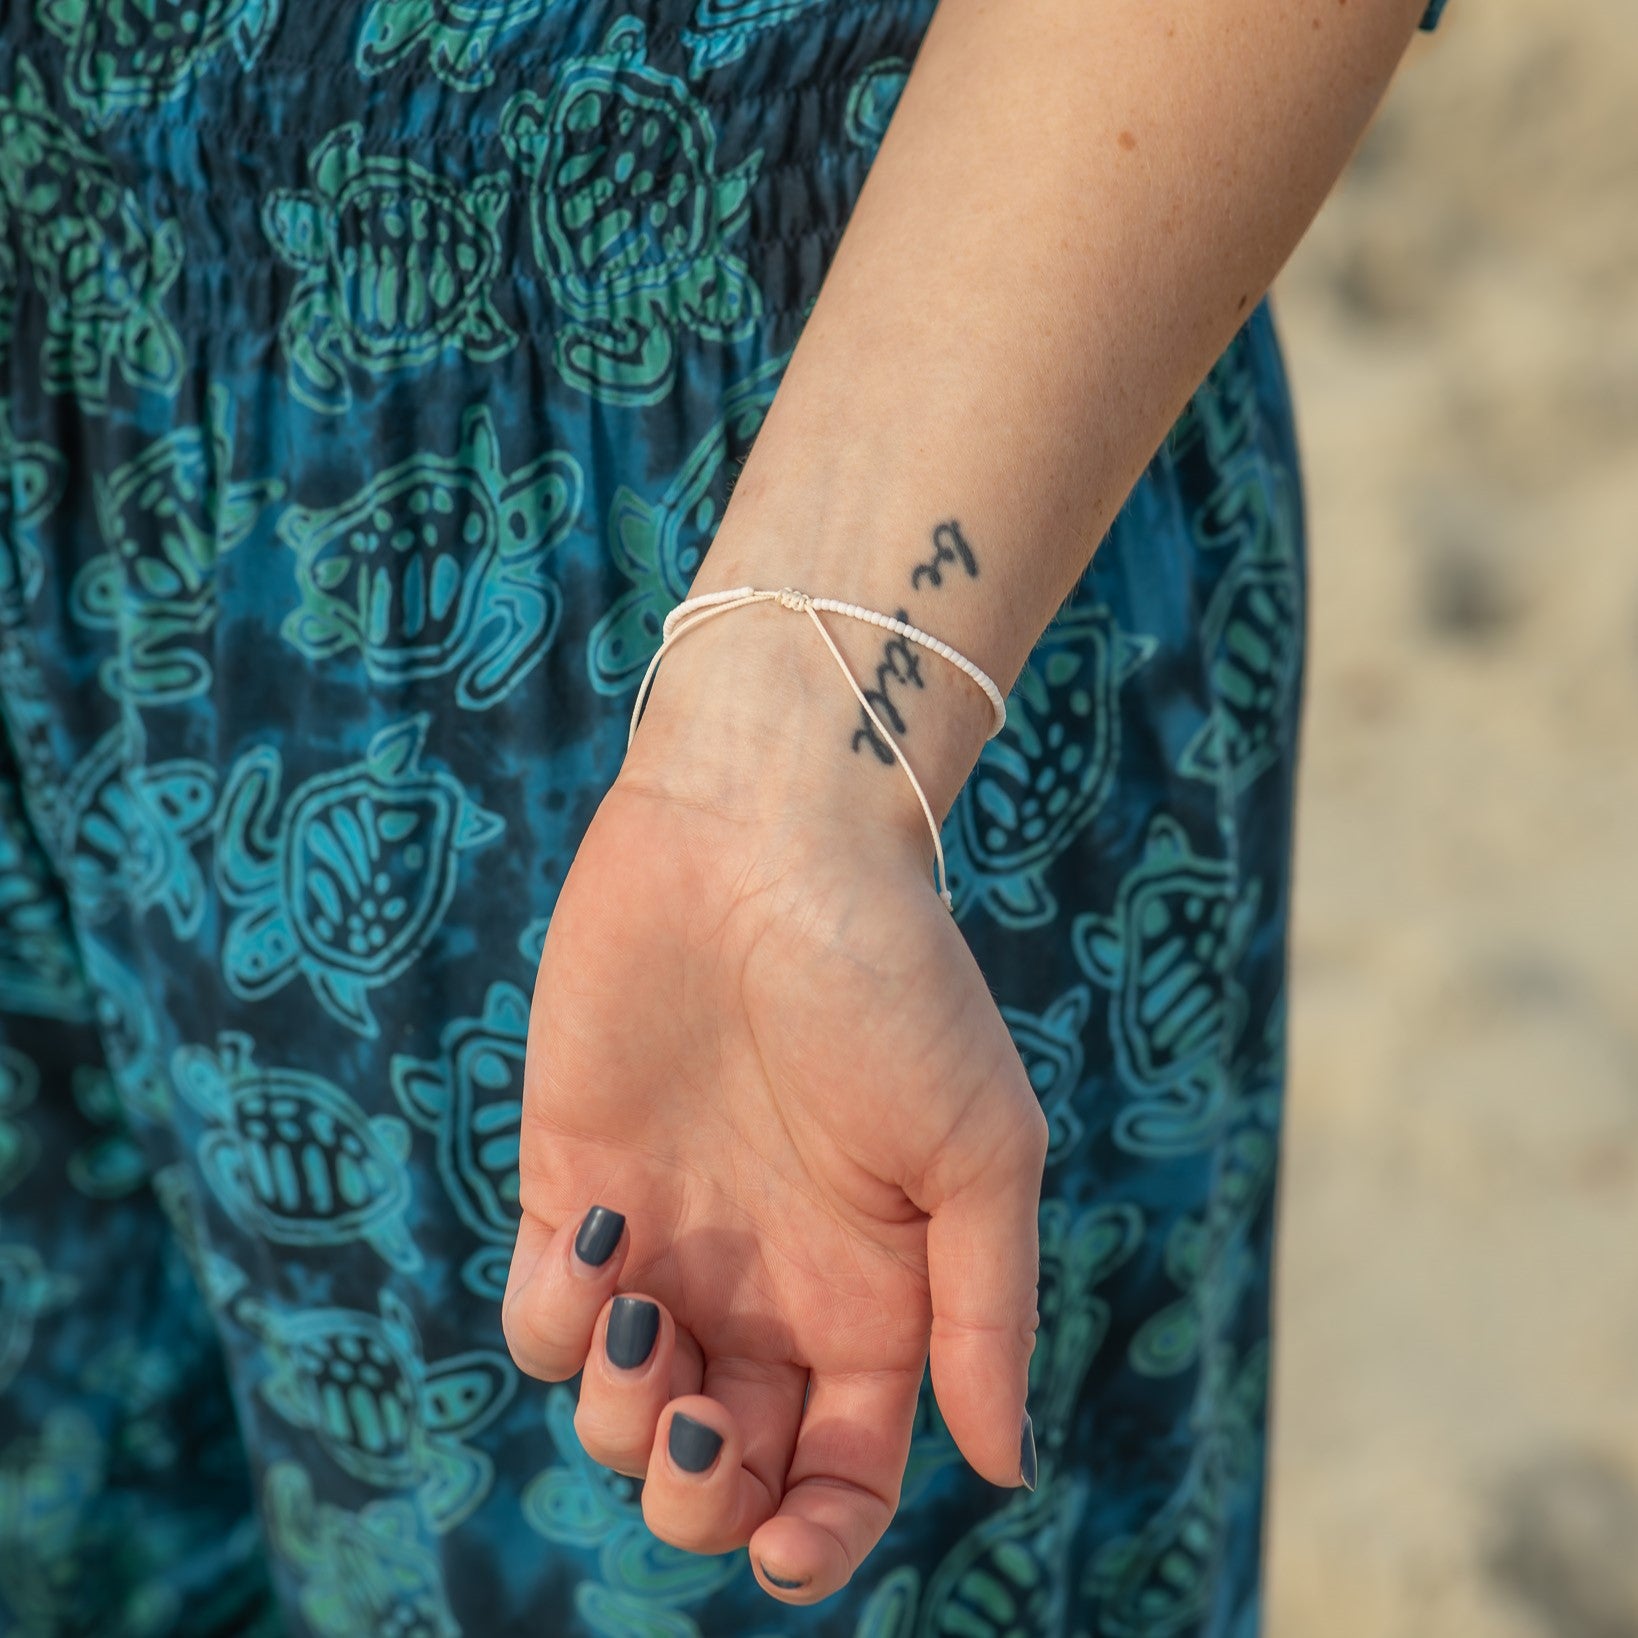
<point>694,611</point>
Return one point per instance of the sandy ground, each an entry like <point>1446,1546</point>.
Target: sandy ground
<point>1456,1445</point>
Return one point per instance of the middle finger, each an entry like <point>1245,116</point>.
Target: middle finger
<point>634,1366</point>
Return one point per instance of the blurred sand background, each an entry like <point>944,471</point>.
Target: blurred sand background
<point>1456,1421</point>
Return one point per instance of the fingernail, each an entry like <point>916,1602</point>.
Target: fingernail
<point>634,1323</point>
<point>692,1444</point>
<point>1026,1453</point>
<point>779,1580</point>
<point>599,1235</point>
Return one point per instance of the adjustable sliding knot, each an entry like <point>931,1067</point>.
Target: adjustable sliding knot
<point>693,610</point>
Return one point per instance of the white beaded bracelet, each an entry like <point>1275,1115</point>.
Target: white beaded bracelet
<point>692,611</point>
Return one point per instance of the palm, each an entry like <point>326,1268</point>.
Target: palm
<point>775,1072</point>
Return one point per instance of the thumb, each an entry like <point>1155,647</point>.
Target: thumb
<point>983,1268</point>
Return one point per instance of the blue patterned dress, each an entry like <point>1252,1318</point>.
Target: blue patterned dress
<point>371,377</point>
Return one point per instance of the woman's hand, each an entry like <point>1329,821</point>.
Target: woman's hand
<point>759,1036</point>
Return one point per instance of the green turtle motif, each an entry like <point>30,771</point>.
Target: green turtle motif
<point>871,102</point>
<point>293,1158</point>
<point>438,565</point>
<point>722,31</point>
<point>19,1145</point>
<point>890,1611</point>
<point>1050,1045</point>
<point>49,1480</point>
<point>1253,628</point>
<point>396,266</point>
<point>221,1281</point>
<point>107,1165</point>
<point>146,1376</point>
<point>993,1582</point>
<point>128,1031</point>
<point>458,36</point>
<point>657,544</point>
<point>128,828</point>
<point>27,1289</point>
<point>39,965</point>
<point>1080,1248</point>
<point>166,518</point>
<point>103,265</point>
<point>31,728</point>
<point>1221,415</point>
<point>1159,1582</point>
<point>532,940</point>
<point>471,1099</point>
<point>129,54</point>
<point>1207,1253</point>
<point>1207,1256</point>
<point>647,1585</point>
<point>38,478</point>
<point>1252,510</point>
<point>1167,952</point>
<point>358,1383</point>
<point>630,220</point>
<point>346,884</point>
<point>1048,773</point>
<point>368,1574</point>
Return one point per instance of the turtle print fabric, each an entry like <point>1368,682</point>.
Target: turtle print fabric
<point>371,379</point>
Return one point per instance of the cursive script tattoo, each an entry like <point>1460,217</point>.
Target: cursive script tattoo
<point>899,664</point>
<point>949,546</point>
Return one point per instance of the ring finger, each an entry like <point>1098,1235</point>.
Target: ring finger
<point>634,1367</point>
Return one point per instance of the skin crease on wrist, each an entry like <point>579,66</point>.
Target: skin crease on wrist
<point>1072,211</point>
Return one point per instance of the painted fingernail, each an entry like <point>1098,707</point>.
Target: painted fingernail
<point>780,1581</point>
<point>634,1323</point>
<point>692,1444</point>
<point>1026,1453</point>
<point>599,1235</point>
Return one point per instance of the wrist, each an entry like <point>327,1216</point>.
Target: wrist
<point>750,716</point>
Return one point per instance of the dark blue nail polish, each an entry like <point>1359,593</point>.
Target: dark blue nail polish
<point>634,1322</point>
<point>779,1580</point>
<point>692,1444</point>
<point>1026,1453</point>
<point>599,1235</point>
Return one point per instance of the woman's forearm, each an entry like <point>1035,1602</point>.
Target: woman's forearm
<point>1075,206</point>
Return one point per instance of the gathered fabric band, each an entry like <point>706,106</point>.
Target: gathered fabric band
<point>692,611</point>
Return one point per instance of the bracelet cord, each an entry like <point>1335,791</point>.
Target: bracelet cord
<point>694,611</point>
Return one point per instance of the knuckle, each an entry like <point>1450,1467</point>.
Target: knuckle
<point>1025,1133</point>
<point>608,1443</point>
<point>1018,1333</point>
<point>691,1516</point>
<point>1035,1133</point>
<point>536,1346</point>
<point>692,1532</point>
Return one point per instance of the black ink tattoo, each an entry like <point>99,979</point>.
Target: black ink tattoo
<point>949,546</point>
<point>901,659</point>
<point>899,663</point>
<point>865,734</point>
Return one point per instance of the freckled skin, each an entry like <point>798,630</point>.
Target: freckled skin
<point>800,978</point>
